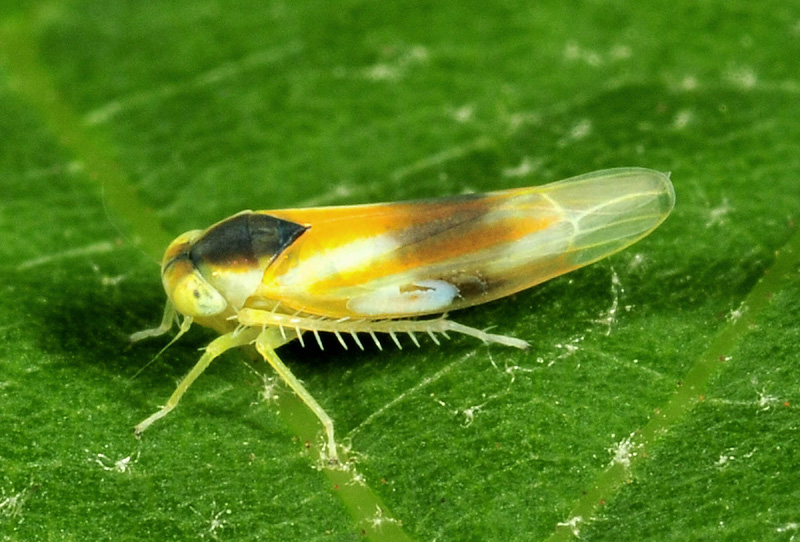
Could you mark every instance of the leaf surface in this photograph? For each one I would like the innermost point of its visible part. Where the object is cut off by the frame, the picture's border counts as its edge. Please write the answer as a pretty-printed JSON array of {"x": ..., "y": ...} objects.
[{"x": 659, "y": 398}]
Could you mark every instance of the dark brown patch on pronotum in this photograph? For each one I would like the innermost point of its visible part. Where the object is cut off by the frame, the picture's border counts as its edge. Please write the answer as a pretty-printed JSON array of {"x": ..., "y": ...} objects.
[{"x": 244, "y": 238}]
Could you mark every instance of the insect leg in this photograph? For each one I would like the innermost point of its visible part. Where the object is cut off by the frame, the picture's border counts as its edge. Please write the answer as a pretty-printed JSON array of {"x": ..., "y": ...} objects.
[
  {"x": 166, "y": 324},
  {"x": 266, "y": 344},
  {"x": 255, "y": 317},
  {"x": 212, "y": 351},
  {"x": 449, "y": 325}
]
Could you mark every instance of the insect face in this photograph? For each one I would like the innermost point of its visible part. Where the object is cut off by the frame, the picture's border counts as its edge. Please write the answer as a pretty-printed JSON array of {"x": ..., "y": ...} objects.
[
  {"x": 187, "y": 288},
  {"x": 210, "y": 274}
]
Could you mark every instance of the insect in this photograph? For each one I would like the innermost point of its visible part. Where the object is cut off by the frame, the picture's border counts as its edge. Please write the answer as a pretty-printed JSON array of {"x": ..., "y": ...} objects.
[{"x": 271, "y": 277}]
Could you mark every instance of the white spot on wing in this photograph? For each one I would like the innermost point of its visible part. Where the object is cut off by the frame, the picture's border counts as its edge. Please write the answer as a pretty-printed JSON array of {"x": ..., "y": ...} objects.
[{"x": 420, "y": 297}]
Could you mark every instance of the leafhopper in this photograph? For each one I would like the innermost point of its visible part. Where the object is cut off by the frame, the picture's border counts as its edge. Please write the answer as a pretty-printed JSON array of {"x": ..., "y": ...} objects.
[{"x": 364, "y": 271}]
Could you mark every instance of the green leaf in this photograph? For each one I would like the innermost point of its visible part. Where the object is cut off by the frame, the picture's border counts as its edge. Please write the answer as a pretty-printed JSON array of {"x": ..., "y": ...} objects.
[{"x": 659, "y": 398}]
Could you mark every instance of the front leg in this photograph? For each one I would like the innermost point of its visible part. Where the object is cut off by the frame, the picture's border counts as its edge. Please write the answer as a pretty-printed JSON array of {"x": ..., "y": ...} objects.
[
  {"x": 214, "y": 349},
  {"x": 166, "y": 324}
]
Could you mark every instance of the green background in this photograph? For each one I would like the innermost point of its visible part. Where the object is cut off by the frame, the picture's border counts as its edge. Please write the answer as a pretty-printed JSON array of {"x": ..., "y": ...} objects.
[{"x": 659, "y": 399}]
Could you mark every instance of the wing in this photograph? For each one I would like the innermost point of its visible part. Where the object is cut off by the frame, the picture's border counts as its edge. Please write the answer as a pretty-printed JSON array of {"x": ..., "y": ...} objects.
[{"x": 431, "y": 256}]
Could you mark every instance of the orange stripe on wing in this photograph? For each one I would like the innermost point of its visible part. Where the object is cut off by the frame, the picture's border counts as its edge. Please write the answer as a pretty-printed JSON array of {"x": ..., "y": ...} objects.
[{"x": 450, "y": 245}]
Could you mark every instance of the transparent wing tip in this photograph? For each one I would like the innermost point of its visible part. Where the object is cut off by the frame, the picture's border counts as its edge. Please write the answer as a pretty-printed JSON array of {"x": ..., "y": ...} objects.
[
  {"x": 654, "y": 182},
  {"x": 613, "y": 208},
  {"x": 620, "y": 191}
]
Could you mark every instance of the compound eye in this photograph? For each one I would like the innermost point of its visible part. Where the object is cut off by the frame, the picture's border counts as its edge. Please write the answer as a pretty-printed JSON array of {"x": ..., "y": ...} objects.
[{"x": 195, "y": 297}]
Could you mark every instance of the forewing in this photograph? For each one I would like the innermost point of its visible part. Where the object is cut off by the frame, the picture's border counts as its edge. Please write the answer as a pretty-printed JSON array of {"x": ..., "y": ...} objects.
[{"x": 431, "y": 256}]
